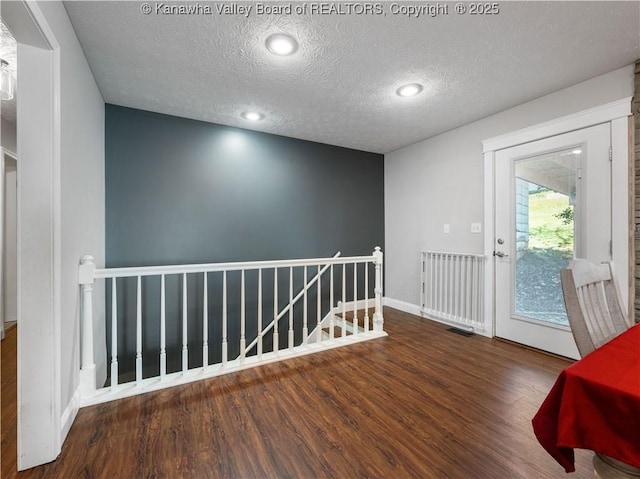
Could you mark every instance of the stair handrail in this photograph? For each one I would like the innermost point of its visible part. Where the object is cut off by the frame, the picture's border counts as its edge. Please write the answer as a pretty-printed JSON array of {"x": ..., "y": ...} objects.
[
  {"x": 88, "y": 273},
  {"x": 289, "y": 306}
]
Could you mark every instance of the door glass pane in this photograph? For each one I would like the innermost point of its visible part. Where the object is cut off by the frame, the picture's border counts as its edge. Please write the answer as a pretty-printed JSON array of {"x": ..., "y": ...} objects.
[{"x": 545, "y": 196}]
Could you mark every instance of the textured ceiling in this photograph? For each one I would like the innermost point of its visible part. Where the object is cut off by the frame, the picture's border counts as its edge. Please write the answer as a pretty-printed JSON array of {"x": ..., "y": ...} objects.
[
  {"x": 340, "y": 86},
  {"x": 9, "y": 53}
]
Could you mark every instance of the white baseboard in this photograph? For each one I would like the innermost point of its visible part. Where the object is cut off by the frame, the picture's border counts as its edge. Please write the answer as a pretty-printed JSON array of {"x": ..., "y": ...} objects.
[
  {"x": 68, "y": 416},
  {"x": 484, "y": 332},
  {"x": 416, "y": 310},
  {"x": 402, "y": 306},
  {"x": 178, "y": 378},
  {"x": 480, "y": 330}
]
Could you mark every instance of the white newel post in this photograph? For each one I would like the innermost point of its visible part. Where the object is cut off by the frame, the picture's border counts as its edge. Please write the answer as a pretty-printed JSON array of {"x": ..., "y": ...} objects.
[
  {"x": 378, "y": 320},
  {"x": 88, "y": 367}
]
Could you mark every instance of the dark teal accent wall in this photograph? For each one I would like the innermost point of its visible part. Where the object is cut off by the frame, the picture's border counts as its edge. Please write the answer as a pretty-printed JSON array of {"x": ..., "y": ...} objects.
[{"x": 185, "y": 191}]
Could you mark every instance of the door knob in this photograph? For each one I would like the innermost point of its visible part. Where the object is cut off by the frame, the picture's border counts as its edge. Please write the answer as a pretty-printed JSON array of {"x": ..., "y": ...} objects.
[{"x": 500, "y": 254}]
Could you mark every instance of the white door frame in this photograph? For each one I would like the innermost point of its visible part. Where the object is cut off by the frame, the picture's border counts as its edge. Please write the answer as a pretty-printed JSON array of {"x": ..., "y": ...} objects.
[
  {"x": 4, "y": 152},
  {"x": 39, "y": 234},
  {"x": 617, "y": 114}
]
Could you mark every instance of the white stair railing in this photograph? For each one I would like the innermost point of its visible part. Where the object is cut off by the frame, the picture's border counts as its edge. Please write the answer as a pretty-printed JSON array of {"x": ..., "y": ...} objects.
[
  {"x": 234, "y": 328},
  {"x": 288, "y": 308}
]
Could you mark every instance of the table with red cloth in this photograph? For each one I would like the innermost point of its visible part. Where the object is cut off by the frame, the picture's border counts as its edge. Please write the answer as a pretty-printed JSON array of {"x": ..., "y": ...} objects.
[{"x": 595, "y": 404}]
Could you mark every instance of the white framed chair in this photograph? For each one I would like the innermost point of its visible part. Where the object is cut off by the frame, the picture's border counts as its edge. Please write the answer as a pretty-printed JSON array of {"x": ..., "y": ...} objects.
[
  {"x": 596, "y": 315},
  {"x": 594, "y": 304}
]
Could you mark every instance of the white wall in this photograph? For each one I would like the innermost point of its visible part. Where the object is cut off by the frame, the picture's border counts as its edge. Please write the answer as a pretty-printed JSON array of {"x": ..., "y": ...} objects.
[
  {"x": 38, "y": 313},
  {"x": 82, "y": 189},
  {"x": 440, "y": 180}
]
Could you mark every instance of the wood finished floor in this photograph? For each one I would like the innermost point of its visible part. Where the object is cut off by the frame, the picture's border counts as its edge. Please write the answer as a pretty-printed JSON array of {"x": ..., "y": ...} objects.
[
  {"x": 8, "y": 403},
  {"x": 422, "y": 403}
]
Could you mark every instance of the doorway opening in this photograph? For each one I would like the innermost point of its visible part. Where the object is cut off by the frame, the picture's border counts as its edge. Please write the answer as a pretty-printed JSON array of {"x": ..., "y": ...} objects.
[
  {"x": 38, "y": 235},
  {"x": 8, "y": 255}
]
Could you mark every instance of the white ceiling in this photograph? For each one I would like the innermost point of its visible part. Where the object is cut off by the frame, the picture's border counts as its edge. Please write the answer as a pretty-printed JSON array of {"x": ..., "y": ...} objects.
[{"x": 340, "y": 86}]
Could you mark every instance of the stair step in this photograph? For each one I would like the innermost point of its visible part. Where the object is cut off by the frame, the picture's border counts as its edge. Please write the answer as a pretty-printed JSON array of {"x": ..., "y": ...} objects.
[
  {"x": 339, "y": 323},
  {"x": 337, "y": 331},
  {"x": 360, "y": 312}
]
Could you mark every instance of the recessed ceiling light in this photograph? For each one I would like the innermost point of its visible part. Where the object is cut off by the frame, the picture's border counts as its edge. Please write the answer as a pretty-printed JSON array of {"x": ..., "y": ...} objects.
[
  {"x": 410, "y": 89},
  {"x": 577, "y": 151},
  {"x": 281, "y": 44},
  {"x": 252, "y": 115}
]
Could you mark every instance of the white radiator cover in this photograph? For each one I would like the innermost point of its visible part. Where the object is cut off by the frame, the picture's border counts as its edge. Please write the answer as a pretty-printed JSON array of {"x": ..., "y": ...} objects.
[{"x": 452, "y": 288}]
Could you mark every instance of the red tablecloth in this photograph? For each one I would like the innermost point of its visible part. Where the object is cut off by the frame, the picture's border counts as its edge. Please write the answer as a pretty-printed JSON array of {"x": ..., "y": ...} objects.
[{"x": 595, "y": 404}]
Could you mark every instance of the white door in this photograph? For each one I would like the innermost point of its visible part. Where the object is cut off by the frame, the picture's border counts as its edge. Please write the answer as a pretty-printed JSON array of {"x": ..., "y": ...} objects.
[{"x": 552, "y": 203}]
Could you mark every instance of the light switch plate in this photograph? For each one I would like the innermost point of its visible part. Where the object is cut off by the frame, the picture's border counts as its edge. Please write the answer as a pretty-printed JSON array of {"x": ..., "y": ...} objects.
[
  {"x": 446, "y": 228},
  {"x": 476, "y": 227}
]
